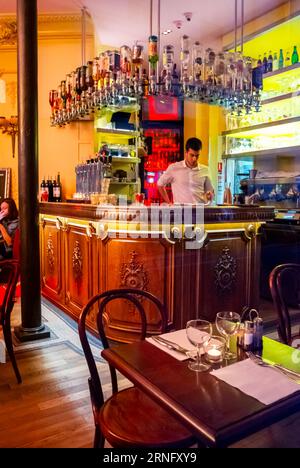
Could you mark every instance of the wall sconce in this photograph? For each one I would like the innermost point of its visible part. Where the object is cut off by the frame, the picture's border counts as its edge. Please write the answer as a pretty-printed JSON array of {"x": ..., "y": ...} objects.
[{"x": 10, "y": 127}]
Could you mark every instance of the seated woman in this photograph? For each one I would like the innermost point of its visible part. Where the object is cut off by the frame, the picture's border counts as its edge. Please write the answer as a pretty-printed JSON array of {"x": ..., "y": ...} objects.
[{"x": 9, "y": 223}]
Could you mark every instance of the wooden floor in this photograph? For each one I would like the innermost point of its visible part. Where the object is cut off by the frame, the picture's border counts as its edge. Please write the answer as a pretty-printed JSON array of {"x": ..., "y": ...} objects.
[{"x": 51, "y": 408}]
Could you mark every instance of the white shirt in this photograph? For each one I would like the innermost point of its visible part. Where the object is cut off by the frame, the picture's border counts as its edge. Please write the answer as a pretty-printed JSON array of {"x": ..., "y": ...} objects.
[{"x": 188, "y": 185}]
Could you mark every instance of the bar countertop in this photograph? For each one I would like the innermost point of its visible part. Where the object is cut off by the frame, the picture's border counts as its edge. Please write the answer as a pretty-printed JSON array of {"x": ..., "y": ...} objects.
[{"x": 212, "y": 214}]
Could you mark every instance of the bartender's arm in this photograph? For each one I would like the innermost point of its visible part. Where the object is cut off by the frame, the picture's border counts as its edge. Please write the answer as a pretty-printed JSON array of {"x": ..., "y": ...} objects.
[
  {"x": 164, "y": 195},
  {"x": 165, "y": 179},
  {"x": 209, "y": 190}
]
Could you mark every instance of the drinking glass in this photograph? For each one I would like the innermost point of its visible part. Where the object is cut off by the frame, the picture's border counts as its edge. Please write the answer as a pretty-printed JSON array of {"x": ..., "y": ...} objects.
[
  {"x": 198, "y": 332},
  {"x": 228, "y": 324}
]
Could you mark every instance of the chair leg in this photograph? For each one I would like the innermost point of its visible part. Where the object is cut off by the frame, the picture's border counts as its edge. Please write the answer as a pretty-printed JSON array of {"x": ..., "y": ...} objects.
[
  {"x": 10, "y": 350},
  {"x": 98, "y": 439}
]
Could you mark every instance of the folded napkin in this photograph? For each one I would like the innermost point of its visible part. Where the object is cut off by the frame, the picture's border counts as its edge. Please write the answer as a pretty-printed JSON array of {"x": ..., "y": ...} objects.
[
  {"x": 263, "y": 383},
  {"x": 179, "y": 337}
]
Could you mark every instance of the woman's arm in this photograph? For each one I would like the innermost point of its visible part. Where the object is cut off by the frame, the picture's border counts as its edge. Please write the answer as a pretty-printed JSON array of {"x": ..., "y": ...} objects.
[{"x": 5, "y": 235}]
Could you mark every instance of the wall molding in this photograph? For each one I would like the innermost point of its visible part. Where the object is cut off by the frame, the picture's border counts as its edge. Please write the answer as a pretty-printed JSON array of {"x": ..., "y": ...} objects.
[{"x": 50, "y": 26}]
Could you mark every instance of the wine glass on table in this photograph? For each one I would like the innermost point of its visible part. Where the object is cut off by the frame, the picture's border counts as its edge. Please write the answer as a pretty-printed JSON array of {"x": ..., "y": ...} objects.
[
  {"x": 228, "y": 324},
  {"x": 198, "y": 332}
]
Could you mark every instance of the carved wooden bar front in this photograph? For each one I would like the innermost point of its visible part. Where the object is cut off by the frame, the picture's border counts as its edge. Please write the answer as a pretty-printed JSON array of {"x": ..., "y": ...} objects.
[{"x": 86, "y": 250}]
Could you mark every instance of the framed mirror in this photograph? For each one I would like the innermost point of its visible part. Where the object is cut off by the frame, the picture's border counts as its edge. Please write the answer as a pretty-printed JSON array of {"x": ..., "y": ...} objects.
[{"x": 4, "y": 183}]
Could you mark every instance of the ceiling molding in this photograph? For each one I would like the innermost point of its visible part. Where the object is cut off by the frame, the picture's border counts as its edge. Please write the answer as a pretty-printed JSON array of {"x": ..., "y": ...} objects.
[
  {"x": 59, "y": 18},
  {"x": 8, "y": 33},
  {"x": 51, "y": 26},
  {"x": 47, "y": 18}
]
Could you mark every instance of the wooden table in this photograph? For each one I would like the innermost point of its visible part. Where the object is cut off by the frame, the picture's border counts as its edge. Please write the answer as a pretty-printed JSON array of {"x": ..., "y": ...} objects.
[{"x": 215, "y": 412}]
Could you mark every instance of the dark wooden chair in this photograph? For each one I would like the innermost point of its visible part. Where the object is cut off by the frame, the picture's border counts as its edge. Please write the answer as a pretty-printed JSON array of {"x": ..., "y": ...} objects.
[
  {"x": 9, "y": 274},
  {"x": 16, "y": 252},
  {"x": 283, "y": 280},
  {"x": 129, "y": 418}
]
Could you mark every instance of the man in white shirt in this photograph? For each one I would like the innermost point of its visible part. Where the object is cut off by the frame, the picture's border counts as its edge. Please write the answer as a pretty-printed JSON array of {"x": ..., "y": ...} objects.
[{"x": 189, "y": 180}]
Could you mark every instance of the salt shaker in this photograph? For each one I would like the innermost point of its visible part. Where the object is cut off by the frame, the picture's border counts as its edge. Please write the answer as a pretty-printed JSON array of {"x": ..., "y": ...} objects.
[{"x": 248, "y": 336}]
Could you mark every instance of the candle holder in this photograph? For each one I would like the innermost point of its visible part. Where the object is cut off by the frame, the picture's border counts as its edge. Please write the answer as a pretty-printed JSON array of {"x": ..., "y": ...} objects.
[
  {"x": 215, "y": 349},
  {"x": 10, "y": 127}
]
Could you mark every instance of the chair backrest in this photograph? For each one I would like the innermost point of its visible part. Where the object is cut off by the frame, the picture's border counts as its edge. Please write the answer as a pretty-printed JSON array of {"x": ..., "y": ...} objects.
[
  {"x": 16, "y": 245},
  {"x": 131, "y": 295},
  {"x": 9, "y": 273},
  {"x": 282, "y": 279}
]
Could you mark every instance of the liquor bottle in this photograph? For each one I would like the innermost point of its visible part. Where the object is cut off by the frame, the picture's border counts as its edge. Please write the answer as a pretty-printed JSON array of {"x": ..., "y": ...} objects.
[
  {"x": 153, "y": 51},
  {"x": 44, "y": 194},
  {"x": 270, "y": 62},
  {"x": 145, "y": 83},
  {"x": 287, "y": 61},
  {"x": 57, "y": 189},
  {"x": 265, "y": 64},
  {"x": 50, "y": 189},
  {"x": 59, "y": 186},
  {"x": 259, "y": 61},
  {"x": 54, "y": 190},
  {"x": 295, "y": 56},
  {"x": 281, "y": 60},
  {"x": 275, "y": 62}
]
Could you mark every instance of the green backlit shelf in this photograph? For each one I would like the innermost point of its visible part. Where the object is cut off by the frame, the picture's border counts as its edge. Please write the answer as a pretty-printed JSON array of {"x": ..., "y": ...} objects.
[
  {"x": 125, "y": 133},
  {"x": 283, "y": 71},
  {"x": 274, "y": 180},
  {"x": 113, "y": 182},
  {"x": 254, "y": 130},
  {"x": 281, "y": 97},
  {"x": 121, "y": 159},
  {"x": 286, "y": 151}
]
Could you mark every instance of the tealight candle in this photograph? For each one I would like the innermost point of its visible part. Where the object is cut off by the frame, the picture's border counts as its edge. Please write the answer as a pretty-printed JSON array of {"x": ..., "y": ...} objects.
[
  {"x": 214, "y": 354},
  {"x": 214, "y": 349}
]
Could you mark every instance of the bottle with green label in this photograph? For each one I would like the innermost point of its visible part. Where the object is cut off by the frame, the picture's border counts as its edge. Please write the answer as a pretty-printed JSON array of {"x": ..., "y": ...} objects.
[
  {"x": 275, "y": 62},
  {"x": 295, "y": 56},
  {"x": 281, "y": 59}
]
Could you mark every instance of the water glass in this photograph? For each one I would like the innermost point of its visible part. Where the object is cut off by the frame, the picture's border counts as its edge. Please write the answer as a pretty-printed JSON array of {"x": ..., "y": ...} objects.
[
  {"x": 228, "y": 324},
  {"x": 198, "y": 332}
]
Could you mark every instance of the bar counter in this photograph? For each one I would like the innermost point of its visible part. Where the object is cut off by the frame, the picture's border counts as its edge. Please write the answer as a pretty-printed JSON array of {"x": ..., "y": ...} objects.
[{"x": 197, "y": 262}]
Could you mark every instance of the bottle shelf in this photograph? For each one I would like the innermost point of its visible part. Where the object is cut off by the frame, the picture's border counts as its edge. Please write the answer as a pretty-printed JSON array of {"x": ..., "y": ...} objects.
[
  {"x": 250, "y": 131},
  {"x": 286, "y": 151},
  {"x": 111, "y": 131},
  {"x": 274, "y": 181},
  {"x": 121, "y": 159},
  {"x": 281, "y": 71},
  {"x": 281, "y": 97},
  {"x": 115, "y": 182}
]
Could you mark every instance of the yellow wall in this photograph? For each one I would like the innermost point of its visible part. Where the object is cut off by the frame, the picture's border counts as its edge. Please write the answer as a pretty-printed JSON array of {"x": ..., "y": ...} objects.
[
  {"x": 59, "y": 52},
  {"x": 263, "y": 22},
  {"x": 205, "y": 122}
]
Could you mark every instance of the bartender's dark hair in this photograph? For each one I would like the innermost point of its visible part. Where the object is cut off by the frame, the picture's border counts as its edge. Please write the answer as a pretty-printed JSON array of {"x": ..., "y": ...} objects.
[
  {"x": 193, "y": 143},
  {"x": 12, "y": 208}
]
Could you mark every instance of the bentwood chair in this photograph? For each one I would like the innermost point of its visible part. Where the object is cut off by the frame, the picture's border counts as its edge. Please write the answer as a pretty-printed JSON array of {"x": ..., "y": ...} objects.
[
  {"x": 9, "y": 274},
  {"x": 285, "y": 284},
  {"x": 129, "y": 418}
]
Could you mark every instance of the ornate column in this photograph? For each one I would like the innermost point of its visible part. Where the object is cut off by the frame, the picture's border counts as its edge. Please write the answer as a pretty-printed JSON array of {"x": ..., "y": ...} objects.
[{"x": 32, "y": 327}]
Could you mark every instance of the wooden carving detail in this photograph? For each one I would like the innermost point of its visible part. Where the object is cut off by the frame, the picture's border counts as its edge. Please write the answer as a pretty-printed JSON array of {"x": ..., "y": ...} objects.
[
  {"x": 77, "y": 262},
  {"x": 225, "y": 272},
  {"x": 8, "y": 33},
  {"x": 133, "y": 274},
  {"x": 50, "y": 254}
]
